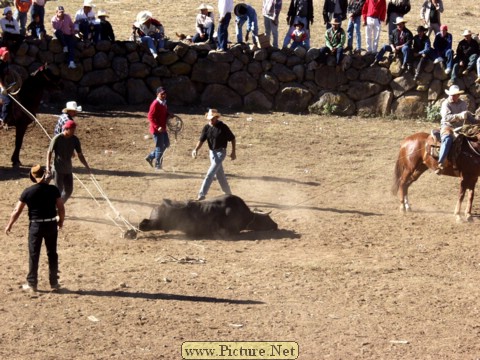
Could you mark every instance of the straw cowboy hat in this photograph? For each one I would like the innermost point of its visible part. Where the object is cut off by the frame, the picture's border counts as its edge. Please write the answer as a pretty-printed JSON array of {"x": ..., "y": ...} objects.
[
  {"x": 102, "y": 13},
  {"x": 211, "y": 114},
  {"x": 37, "y": 173},
  {"x": 466, "y": 33},
  {"x": 399, "y": 20},
  {"x": 335, "y": 21},
  {"x": 454, "y": 90},
  {"x": 88, "y": 3},
  {"x": 204, "y": 6},
  {"x": 72, "y": 105},
  {"x": 143, "y": 16}
]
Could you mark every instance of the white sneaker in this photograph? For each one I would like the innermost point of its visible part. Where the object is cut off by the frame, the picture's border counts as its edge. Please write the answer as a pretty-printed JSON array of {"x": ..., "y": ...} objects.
[
  {"x": 155, "y": 56},
  {"x": 72, "y": 65},
  {"x": 438, "y": 60},
  {"x": 65, "y": 49},
  {"x": 448, "y": 71}
]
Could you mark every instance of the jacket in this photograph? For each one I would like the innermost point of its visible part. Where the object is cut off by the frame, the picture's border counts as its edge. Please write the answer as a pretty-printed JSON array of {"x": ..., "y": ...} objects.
[
  {"x": 374, "y": 8},
  {"x": 329, "y": 7},
  {"x": 426, "y": 10},
  {"x": 355, "y": 7},
  {"x": 401, "y": 7},
  {"x": 292, "y": 12}
]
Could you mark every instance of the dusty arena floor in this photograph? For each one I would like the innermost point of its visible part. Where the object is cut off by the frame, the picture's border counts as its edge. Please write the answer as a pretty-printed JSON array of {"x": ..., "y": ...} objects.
[{"x": 345, "y": 276}]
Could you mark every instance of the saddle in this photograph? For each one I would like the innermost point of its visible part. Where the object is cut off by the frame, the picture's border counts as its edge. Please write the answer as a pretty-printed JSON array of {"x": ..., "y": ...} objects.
[{"x": 468, "y": 133}]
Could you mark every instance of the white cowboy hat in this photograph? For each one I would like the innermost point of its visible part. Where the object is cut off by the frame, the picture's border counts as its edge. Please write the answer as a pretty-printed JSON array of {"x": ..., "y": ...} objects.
[
  {"x": 88, "y": 3},
  {"x": 466, "y": 32},
  {"x": 143, "y": 16},
  {"x": 205, "y": 6},
  {"x": 399, "y": 20},
  {"x": 454, "y": 90},
  {"x": 72, "y": 105},
  {"x": 102, "y": 13},
  {"x": 211, "y": 114}
]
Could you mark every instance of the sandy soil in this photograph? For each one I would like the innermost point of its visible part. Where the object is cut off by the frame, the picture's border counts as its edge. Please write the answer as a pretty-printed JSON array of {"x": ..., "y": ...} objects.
[{"x": 346, "y": 276}]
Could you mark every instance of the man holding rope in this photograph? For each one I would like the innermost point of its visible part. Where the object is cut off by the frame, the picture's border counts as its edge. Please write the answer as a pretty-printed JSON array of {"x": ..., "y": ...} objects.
[
  {"x": 64, "y": 144},
  {"x": 157, "y": 116}
]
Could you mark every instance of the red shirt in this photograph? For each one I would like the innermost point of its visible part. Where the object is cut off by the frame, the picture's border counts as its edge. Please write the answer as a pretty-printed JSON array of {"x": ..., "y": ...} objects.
[
  {"x": 375, "y": 9},
  {"x": 157, "y": 115}
]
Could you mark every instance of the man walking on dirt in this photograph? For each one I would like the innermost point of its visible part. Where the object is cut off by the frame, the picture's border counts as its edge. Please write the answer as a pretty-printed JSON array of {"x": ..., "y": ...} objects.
[
  {"x": 217, "y": 134},
  {"x": 64, "y": 145},
  {"x": 43, "y": 201}
]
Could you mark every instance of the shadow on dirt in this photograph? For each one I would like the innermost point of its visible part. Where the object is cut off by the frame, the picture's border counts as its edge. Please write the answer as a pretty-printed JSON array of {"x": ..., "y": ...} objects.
[
  {"x": 157, "y": 296},
  {"x": 243, "y": 236}
]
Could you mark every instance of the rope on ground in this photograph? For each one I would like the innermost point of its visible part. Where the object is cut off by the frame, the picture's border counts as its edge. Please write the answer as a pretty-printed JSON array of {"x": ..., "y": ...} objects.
[{"x": 92, "y": 177}]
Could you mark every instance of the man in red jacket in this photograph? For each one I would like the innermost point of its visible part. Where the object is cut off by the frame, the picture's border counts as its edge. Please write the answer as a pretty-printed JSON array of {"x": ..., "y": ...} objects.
[
  {"x": 373, "y": 13},
  {"x": 157, "y": 116}
]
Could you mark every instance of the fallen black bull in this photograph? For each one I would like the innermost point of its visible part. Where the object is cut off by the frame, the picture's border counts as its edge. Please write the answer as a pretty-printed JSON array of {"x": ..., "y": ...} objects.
[{"x": 223, "y": 215}]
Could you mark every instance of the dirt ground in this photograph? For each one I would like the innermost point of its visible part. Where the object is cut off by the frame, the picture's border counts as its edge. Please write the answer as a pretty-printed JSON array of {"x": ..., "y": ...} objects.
[{"x": 345, "y": 276}]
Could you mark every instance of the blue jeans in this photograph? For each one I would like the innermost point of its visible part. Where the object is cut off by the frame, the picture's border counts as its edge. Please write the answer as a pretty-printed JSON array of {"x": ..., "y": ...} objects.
[
  {"x": 162, "y": 142},
  {"x": 64, "y": 183},
  {"x": 447, "y": 141},
  {"x": 216, "y": 168},
  {"x": 21, "y": 17},
  {"x": 325, "y": 51},
  {"x": 239, "y": 21},
  {"x": 271, "y": 28},
  {"x": 5, "y": 103},
  {"x": 89, "y": 31},
  {"x": 38, "y": 232},
  {"x": 68, "y": 41},
  {"x": 472, "y": 61},
  {"x": 406, "y": 52},
  {"x": 445, "y": 55},
  {"x": 222, "y": 32},
  {"x": 208, "y": 32},
  {"x": 150, "y": 41},
  {"x": 354, "y": 25}
]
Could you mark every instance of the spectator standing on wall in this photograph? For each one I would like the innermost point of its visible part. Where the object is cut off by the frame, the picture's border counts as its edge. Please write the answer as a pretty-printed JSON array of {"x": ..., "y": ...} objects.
[
  {"x": 245, "y": 13},
  {"x": 271, "y": 12},
  {"x": 64, "y": 31},
  {"x": 225, "y": 9},
  {"x": 396, "y": 8},
  {"x": 299, "y": 11},
  {"x": 430, "y": 14},
  {"x": 373, "y": 13},
  {"x": 21, "y": 14},
  {"x": 354, "y": 15},
  {"x": 334, "y": 9},
  {"x": 38, "y": 7}
]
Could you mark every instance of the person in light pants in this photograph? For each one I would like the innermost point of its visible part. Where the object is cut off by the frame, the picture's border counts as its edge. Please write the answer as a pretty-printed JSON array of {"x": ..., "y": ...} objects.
[{"x": 373, "y": 13}]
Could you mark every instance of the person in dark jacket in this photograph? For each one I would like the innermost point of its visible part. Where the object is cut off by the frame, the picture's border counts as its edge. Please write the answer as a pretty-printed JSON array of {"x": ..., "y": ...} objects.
[
  {"x": 334, "y": 9},
  {"x": 422, "y": 50},
  {"x": 465, "y": 56},
  {"x": 396, "y": 8},
  {"x": 442, "y": 48},
  {"x": 354, "y": 15},
  {"x": 106, "y": 30},
  {"x": 400, "y": 44},
  {"x": 299, "y": 11}
]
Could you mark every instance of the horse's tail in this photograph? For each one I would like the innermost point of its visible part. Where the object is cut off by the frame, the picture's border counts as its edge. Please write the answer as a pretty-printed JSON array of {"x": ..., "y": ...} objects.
[{"x": 398, "y": 171}]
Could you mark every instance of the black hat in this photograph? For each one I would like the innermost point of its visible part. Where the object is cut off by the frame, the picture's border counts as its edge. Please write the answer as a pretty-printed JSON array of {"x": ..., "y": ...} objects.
[
  {"x": 160, "y": 90},
  {"x": 421, "y": 29},
  {"x": 240, "y": 9}
]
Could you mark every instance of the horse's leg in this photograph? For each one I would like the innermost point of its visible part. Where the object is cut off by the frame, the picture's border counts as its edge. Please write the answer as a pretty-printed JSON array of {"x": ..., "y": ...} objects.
[
  {"x": 461, "y": 195},
  {"x": 410, "y": 179},
  {"x": 471, "y": 194},
  {"x": 20, "y": 130}
]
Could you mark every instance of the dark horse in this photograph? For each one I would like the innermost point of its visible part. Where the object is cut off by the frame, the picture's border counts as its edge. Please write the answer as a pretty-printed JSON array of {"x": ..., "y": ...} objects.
[
  {"x": 415, "y": 158},
  {"x": 30, "y": 96}
]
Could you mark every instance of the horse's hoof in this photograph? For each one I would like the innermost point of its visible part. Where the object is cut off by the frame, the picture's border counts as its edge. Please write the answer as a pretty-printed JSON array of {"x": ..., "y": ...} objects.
[
  {"x": 16, "y": 164},
  {"x": 468, "y": 218},
  {"x": 459, "y": 219}
]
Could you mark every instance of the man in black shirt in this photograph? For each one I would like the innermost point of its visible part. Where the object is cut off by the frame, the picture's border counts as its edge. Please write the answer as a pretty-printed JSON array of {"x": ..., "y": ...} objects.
[
  {"x": 43, "y": 201},
  {"x": 217, "y": 135}
]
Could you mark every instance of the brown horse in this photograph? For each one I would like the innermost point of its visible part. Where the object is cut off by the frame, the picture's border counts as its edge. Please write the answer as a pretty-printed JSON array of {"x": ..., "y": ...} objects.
[
  {"x": 414, "y": 159},
  {"x": 30, "y": 96}
]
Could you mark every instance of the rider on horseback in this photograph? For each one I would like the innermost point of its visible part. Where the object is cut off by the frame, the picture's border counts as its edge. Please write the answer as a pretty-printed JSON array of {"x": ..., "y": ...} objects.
[
  {"x": 454, "y": 113},
  {"x": 4, "y": 57}
]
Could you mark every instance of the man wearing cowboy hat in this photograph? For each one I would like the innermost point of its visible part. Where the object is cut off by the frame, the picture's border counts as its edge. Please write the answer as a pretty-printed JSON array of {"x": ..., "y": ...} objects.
[
  {"x": 150, "y": 31},
  {"x": 454, "y": 113},
  {"x": 85, "y": 24},
  {"x": 400, "y": 44},
  {"x": 246, "y": 13},
  {"x": 44, "y": 204},
  {"x": 335, "y": 41},
  {"x": 465, "y": 56},
  {"x": 105, "y": 28},
  {"x": 68, "y": 113},
  {"x": 204, "y": 24},
  {"x": 217, "y": 134},
  {"x": 422, "y": 50},
  {"x": 64, "y": 145}
]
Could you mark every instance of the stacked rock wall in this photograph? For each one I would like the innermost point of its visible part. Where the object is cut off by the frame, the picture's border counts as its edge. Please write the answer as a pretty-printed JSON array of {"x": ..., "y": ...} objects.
[{"x": 123, "y": 73}]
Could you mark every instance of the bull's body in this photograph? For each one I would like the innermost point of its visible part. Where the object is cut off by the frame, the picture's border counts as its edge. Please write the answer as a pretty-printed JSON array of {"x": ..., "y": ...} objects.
[{"x": 223, "y": 215}]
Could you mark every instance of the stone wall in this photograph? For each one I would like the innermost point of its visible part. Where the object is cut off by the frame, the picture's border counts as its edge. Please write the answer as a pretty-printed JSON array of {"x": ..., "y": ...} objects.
[{"x": 262, "y": 80}]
